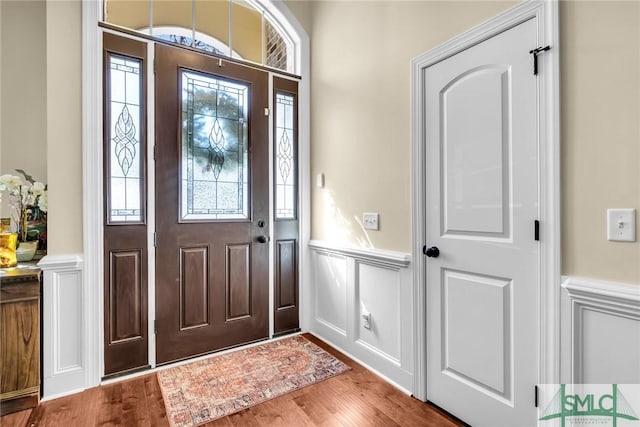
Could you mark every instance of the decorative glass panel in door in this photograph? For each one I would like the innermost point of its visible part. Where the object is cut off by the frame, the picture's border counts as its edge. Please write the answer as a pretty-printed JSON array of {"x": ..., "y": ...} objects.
[
  {"x": 125, "y": 156},
  {"x": 214, "y": 168},
  {"x": 285, "y": 156}
]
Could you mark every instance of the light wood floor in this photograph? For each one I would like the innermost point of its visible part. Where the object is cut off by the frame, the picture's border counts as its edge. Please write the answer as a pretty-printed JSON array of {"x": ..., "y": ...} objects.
[{"x": 355, "y": 398}]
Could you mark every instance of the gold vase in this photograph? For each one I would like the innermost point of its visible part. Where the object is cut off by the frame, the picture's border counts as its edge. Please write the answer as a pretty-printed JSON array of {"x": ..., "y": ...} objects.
[{"x": 8, "y": 242}]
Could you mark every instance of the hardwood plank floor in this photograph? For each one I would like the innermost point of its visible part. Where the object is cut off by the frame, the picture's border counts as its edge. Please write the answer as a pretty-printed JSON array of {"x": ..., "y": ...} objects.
[{"x": 355, "y": 398}]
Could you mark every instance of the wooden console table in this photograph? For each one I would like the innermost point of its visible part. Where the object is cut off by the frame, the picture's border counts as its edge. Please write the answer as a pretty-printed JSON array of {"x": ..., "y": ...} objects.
[{"x": 20, "y": 338}]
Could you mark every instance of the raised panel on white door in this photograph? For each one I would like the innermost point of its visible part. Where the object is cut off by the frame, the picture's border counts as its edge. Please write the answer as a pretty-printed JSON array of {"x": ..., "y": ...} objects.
[
  {"x": 475, "y": 183},
  {"x": 476, "y": 331},
  {"x": 378, "y": 292},
  {"x": 331, "y": 292}
]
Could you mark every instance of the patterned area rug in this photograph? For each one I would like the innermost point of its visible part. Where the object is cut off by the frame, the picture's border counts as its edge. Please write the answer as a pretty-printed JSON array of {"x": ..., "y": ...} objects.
[{"x": 212, "y": 388}]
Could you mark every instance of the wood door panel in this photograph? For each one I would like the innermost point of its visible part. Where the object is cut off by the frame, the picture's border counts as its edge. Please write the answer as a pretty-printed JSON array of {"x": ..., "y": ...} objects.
[
  {"x": 238, "y": 283},
  {"x": 125, "y": 289},
  {"x": 286, "y": 274},
  {"x": 125, "y": 299},
  {"x": 194, "y": 287},
  {"x": 229, "y": 285}
]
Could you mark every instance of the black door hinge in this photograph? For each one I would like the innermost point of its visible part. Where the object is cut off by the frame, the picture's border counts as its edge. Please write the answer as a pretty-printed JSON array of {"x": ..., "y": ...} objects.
[
  {"x": 535, "y": 398},
  {"x": 535, "y": 52},
  {"x": 536, "y": 230},
  {"x": 155, "y": 327}
]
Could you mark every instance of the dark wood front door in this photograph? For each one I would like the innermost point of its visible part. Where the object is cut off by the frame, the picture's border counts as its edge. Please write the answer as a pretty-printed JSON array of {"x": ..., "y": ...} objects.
[{"x": 212, "y": 204}]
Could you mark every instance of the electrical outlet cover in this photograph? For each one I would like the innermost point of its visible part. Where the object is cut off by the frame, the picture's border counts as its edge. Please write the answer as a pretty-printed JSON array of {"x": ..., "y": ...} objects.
[{"x": 370, "y": 220}]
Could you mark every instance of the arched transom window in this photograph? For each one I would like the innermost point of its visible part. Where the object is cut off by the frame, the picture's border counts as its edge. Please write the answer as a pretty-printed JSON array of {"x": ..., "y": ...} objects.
[{"x": 240, "y": 29}]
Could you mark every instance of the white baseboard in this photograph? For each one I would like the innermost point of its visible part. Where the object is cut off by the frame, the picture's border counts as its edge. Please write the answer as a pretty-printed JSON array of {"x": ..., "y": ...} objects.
[{"x": 364, "y": 364}]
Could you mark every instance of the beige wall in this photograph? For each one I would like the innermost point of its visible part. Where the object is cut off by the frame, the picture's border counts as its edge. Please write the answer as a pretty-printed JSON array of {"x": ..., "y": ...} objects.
[
  {"x": 302, "y": 11},
  {"x": 361, "y": 125},
  {"x": 41, "y": 108},
  {"x": 360, "y": 120},
  {"x": 23, "y": 117},
  {"x": 600, "y": 135},
  {"x": 64, "y": 126}
]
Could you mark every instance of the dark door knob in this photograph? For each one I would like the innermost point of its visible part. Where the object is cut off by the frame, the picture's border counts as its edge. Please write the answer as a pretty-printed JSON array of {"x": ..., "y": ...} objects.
[
  {"x": 263, "y": 239},
  {"x": 431, "y": 252}
]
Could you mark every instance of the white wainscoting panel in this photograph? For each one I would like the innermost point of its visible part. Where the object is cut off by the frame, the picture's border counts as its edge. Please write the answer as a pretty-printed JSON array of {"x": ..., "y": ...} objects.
[
  {"x": 62, "y": 326},
  {"x": 378, "y": 292},
  {"x": 601, "y": 333},
  {"x": 348, "y": 283},
  {"x": 331, "y": 299}
]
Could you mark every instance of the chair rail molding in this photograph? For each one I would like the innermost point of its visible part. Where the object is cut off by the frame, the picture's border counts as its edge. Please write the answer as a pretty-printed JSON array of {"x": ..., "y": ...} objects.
[
  {"x": 601, "y": 332},
  {"x": 386, "y": 258},
  {"x": 361, "y": 303},
  {"x": 64, "y": 330},
  {"x": 603, "y": 292}
]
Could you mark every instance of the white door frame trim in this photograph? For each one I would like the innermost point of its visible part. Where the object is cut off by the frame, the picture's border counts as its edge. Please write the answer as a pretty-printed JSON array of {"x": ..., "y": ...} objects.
[
  {"x": 546, "y": 12},
  {"x": 92, "y": 188}
]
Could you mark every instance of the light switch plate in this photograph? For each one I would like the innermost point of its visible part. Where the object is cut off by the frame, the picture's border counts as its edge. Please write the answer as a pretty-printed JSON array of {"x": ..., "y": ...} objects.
[
  {"x": 621, "y": 225},
  {"x": 370, "y": 221}
]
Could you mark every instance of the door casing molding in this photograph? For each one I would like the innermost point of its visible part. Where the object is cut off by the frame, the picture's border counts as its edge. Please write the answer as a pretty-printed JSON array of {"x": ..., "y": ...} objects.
[
  {"x": 92, "y": 216},
  {"x": 546, "y": 13}
]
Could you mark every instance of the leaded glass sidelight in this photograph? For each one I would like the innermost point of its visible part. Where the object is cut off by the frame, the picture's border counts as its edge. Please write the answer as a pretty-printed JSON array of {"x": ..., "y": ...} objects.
[
  {"x": 285, "y": 157},
  {"x": 125, "y": 158},
  {"x": 214, "y": 168}
]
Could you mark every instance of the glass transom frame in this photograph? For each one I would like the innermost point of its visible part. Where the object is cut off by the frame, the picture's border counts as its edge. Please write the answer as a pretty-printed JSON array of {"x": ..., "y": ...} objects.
[{"x": 214, "y": 172}]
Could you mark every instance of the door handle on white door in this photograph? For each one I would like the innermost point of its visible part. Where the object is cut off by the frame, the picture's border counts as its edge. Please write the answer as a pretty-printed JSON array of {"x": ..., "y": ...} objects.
[{"x": 431, "y": 252}]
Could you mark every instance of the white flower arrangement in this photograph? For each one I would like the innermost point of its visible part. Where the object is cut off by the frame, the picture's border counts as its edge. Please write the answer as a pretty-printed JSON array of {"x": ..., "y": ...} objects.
[{"x": 28, "y": 198}]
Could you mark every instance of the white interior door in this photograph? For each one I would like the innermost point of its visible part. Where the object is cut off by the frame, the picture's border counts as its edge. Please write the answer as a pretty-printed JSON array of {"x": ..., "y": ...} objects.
[{"x": 481, "y": 205}]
